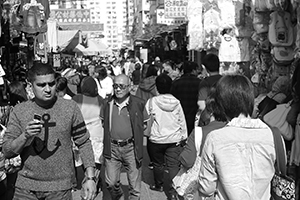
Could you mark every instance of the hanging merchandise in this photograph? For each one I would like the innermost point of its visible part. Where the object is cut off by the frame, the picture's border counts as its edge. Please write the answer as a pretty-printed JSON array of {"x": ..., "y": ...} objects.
[
  {"x": 211, "y": 24},
  {"x": 195, "y": 25},
  {"x": 260, "y": 5},
  {"x": 278, "y": 70},
  {"x": 283, "y": 55},
  {"x": 15, "y": 21},
  {"x": 227, "y": 13},
  {"x": 244, "y": 47},
  {"x": 34, "y": 14},
  {"x": 262, "y": 42},
  {"x": 41, "y": 47},
  {"x": 261, "y": 22},
  {"x": 243, "y": 21},
  {"x": 271, "y": 4},
  {"x": 281, "y": 31},
  {"x": 298, "y": 29},
  {"x": 229, "y": 49},
  {"x": 240, "y": 12},
  {"x": 281, "y": 4}
]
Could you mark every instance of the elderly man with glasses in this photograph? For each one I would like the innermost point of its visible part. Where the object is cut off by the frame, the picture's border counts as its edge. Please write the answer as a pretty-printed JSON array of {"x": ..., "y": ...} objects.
[{"x": 124, "y": 116}]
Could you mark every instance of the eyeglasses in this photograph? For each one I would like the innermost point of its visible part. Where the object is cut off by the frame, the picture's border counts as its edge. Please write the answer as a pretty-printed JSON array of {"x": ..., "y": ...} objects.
[{"x": 121, "y": 86}]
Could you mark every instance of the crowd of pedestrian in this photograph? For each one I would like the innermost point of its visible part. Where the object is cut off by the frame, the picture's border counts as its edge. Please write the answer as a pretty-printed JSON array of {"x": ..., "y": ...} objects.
[{"x": 93, "y": 115}]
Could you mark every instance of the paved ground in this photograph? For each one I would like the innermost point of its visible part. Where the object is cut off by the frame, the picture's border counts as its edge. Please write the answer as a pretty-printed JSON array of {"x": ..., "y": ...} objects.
[{"x": 147, "y": 179}]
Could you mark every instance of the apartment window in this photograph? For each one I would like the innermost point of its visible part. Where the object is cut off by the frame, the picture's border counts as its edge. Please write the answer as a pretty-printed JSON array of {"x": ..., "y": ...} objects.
[
  {"x": 92, "y": 3},
  {"x": 114, "y": 41},
  {"x": 108, "y": 22},
  {"x": 109, "y": 41},
  {"x": 113, "y": 2}
]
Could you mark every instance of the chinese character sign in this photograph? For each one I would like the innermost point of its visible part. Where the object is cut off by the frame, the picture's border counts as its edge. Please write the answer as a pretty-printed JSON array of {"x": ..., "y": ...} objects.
[
  {"x": 71, "y": 15},
  {"x": 175, "y": 8}
]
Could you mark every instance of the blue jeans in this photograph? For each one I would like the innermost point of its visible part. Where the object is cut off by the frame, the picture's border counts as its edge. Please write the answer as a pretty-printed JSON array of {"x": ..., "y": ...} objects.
[
  {"x": 161, "y": 154},
  {"x": 123, "y": 156},
  {"x": 23, "y": 194}
]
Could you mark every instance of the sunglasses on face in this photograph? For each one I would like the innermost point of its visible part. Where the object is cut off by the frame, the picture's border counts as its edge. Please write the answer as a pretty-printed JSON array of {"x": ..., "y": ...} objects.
[{"x": 121, "y": 86}]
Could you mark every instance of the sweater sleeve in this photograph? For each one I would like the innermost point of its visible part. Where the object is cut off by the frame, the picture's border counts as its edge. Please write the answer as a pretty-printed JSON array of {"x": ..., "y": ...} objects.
[
  {"x": 81, "y": 138},
  {"x": 13, "y": 131}
]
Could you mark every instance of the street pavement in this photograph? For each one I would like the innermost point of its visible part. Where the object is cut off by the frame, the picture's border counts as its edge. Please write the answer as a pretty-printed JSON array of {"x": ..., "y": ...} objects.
[{"x": 147, "y": 180}]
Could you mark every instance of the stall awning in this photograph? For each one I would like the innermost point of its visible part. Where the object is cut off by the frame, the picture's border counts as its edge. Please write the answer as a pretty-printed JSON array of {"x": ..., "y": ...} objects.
[
  {"x": 67, "y": 40},
  {"x": 94, "y": 48}
]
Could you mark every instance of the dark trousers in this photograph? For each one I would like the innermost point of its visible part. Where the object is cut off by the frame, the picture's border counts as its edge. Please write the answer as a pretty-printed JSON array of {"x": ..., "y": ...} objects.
[{"x": 161, "y": 154}]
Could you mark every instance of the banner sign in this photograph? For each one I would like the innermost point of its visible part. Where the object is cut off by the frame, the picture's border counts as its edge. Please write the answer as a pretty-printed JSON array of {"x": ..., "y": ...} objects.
[
  {"x": 71, "y": 15},
  {"x": 175, "y": 8}
]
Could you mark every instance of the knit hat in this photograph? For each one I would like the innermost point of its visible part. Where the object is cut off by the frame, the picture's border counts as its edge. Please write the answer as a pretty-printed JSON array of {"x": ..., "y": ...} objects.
[{"x": 89, "y": 87}]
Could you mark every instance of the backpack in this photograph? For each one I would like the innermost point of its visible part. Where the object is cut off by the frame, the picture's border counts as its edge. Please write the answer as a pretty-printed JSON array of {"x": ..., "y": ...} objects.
[
  {"x": 261, "y": 22},
  {"x": 283, "y": 55},
  {"x": 277, "y": 70},
  {"x": 260, "y": 5},
  {"x": 281, "y": 4},
  {"x": 281, "y": 31}
]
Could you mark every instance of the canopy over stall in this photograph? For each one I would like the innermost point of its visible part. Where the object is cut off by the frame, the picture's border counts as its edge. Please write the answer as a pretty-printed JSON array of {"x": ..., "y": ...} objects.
[
  {"x": 94, "y": 48},
  {"x": 68, "y": 40}
]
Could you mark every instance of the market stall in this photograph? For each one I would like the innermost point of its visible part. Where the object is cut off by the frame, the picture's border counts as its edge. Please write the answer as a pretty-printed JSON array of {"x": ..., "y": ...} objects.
[
  {"x": 256, "y": 37},
  {"x": 93, "y": 48}
]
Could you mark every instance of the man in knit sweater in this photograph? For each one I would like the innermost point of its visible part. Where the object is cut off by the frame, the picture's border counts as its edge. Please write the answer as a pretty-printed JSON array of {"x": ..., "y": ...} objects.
[{"x": 44, "y": 143}]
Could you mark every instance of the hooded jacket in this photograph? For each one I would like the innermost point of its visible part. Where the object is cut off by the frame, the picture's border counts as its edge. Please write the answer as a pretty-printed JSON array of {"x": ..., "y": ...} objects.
[
  {"x": 147, "y": 88},
  {"x": 169, "y": 124}
]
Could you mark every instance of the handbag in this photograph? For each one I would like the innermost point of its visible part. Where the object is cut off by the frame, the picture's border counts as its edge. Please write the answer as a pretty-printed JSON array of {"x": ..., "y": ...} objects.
[
  {"x": 266, "y": 105},
  {"x": 277, "y": 118},
  {"x": 282, "y": 186},
  {"x": 186, "y": 181},
  {"x": 147, "y": 131}
]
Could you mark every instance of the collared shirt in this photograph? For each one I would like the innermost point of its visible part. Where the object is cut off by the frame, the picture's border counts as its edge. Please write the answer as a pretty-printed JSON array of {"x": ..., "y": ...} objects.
[
  {"x": 121, "y": 126},
  {"x": 238, "y": 161}
]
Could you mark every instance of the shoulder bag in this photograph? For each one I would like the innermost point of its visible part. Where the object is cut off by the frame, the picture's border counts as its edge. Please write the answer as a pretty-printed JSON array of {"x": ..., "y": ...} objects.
[
  {"x": 186, "y": 181},
  {"x": 282, "y": 186},
  {"x": 147, "y": 131},
  {"x": 277, "y": 118}
]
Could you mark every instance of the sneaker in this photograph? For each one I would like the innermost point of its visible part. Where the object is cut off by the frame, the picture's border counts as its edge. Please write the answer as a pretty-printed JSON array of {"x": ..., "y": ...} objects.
[
  {"x": 150, "y": 166},
  {"x": 156, "y": 188}
]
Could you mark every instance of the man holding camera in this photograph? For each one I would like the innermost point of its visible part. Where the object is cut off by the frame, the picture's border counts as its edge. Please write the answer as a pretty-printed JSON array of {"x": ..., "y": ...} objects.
[{"x": 41, "y": 132}]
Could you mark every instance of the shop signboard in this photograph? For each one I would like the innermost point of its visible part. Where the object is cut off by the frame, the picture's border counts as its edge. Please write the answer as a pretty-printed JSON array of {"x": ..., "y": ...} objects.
[
  {"x": 71, "y": 15},
  {"x": 175, "y": 8},
  {"x": 161, "y": 19}
]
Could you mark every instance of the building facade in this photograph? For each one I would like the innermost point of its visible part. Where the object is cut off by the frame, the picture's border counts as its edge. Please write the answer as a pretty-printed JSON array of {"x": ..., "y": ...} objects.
[{"x": 115, "y": 16}]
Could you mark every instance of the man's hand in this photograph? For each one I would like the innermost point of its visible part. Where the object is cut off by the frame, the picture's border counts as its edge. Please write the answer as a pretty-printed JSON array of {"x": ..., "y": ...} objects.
[
  {"x": 33, "y": 128},
  {"x": 88, "y": 190}
]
